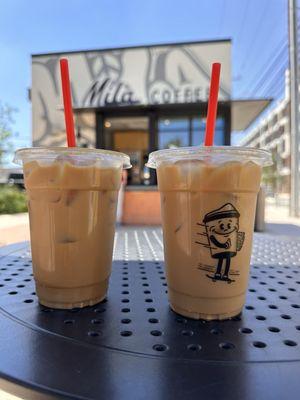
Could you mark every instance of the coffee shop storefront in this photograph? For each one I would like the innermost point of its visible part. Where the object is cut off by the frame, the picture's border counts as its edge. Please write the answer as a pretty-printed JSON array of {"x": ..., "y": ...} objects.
[{"x": 137, "y": 100}]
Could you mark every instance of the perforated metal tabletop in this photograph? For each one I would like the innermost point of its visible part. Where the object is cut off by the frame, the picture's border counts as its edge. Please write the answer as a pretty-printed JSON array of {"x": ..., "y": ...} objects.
[{"x": 132, "y": 346}]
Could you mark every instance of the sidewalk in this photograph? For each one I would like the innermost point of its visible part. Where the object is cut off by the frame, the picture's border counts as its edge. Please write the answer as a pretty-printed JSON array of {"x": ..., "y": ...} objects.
[
  {"x": 278, "y": 221},
  {"x": 13, "y": 228}
]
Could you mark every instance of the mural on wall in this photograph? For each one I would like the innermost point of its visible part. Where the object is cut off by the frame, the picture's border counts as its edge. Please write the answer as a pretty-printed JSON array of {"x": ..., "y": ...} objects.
[{"x": 133, "y": 76}]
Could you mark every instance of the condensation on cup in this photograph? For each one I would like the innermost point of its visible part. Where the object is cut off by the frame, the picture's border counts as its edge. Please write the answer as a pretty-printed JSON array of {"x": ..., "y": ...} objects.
[
  {"x": 72, "y": 201},
  {"x": 208, "y": 202}
]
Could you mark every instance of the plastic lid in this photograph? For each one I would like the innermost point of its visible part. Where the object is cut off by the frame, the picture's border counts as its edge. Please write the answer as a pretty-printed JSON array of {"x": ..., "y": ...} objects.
[
  {"x": 211, "y": 154},
  {"x": 51, "y": 153}
]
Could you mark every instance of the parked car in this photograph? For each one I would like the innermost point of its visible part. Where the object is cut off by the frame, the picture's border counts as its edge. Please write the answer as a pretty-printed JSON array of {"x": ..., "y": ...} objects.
[{"x": 12, "y": 176}]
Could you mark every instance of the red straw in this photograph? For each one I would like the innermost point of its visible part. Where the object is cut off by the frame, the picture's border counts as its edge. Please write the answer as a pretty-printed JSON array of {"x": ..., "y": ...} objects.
[
  {"x": 212, "y": 104},
  {"x": 66, "y": 89}
]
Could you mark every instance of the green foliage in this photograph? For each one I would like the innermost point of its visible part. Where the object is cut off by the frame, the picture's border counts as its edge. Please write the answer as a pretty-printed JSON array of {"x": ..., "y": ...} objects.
[
  {"x": 270, "y": 176},
  {"x": 173, "y": 143},
  {"x": 12, "y": 200},
  {"x": 6, "y": 132}
]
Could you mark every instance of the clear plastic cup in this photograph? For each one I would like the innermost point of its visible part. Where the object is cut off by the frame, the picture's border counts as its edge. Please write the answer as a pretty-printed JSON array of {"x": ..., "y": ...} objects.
[
  {"x": 208, "y": 202},
  {"x": 72, "y": 199}
]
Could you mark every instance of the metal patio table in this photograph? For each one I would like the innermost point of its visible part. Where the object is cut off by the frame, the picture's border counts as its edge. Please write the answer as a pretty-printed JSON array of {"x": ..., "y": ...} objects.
[{"x": 132, "y": 346}]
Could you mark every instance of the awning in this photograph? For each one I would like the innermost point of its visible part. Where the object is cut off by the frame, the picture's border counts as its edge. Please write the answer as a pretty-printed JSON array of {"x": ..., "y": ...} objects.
[{"x": 244, "y": 112}]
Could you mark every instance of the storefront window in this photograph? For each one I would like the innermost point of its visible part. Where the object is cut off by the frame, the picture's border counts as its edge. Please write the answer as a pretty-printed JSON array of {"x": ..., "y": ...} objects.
[
  {"x": 177, "y": 132},
  {"x": 198, "y": 131},
  {"x": 173, "y": 133},
  {"x": 130, "y": 135}
]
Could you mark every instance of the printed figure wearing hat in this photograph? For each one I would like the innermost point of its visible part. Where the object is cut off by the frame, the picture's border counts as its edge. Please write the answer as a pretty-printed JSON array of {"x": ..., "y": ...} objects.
[{"x": 225, "y": 240}]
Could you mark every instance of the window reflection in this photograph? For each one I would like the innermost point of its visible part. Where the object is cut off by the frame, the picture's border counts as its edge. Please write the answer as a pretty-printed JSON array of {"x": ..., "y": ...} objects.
[
  {"x": 176, "y": 132},
  {"x": 198, "y": 131},
  {"x": 167, "y": 124},
  {"x": 173, "y": 133}
]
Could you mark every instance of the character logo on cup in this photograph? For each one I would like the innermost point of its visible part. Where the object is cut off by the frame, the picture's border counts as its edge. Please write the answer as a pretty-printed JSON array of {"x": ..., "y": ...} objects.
[{"x": 223, "y": 240}]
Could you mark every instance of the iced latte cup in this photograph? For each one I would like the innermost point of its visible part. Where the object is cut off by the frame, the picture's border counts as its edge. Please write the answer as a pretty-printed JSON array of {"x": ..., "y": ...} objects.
[
  {"x": 72, "y": 198},
  {"x": 208, "y": 202}
]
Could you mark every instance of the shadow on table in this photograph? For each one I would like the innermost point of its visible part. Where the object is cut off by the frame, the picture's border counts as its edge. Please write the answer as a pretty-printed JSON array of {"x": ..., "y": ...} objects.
[{"x": 283, "y": 229}]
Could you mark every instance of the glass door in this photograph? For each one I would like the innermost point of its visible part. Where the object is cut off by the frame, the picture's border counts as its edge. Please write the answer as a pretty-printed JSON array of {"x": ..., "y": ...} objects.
[
  {"x": 187, "y": 131},
  {"x": 130, "y": 135}
]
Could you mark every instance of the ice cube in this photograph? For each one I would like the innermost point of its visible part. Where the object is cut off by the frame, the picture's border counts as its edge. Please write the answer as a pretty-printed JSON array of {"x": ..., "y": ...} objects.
[
  {"x": 65, "y": 158},
  {"x": 80, "y": 160},
  {"x": 70, "y": 196},
  {"x": 67, "y": 240},
  {"x": 226, "y": 176},
  {"x": 29, "y": 167},
  {"x": 250, "y": 176},
  {"x": 85, "y": 161},
  {"x": 193, "y": 173},
  {"x": 168, "y": 177}
]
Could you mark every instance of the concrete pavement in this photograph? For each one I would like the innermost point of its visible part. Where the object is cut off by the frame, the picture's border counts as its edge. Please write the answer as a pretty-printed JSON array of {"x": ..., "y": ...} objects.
[
  {"x": 15, "y": 228},
  {"x": 278, "y": 221}
]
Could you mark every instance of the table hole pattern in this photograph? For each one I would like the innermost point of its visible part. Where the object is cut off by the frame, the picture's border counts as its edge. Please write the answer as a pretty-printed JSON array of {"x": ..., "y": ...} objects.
[{"x": 136, "y": 316}]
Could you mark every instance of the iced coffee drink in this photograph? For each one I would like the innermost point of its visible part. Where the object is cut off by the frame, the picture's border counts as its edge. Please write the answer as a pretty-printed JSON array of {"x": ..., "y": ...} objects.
[
  {"x": 72, "y": 199},
  {"x": 208, "y": 202}
]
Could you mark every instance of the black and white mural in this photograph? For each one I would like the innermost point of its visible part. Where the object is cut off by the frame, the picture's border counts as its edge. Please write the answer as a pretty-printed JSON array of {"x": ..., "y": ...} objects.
[{"x": 132, "y": 76}]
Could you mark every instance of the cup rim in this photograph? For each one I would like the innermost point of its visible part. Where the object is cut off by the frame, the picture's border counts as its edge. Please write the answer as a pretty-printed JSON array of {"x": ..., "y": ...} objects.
[
  {"x": 33, "y": 153},
  {"x": 214, "y": 154}
]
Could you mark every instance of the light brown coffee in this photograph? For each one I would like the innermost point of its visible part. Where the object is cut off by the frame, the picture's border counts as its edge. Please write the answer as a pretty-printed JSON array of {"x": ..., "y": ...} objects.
[
  {"x": 208, "y": 216},
  {"x": 72, "y": 223}
]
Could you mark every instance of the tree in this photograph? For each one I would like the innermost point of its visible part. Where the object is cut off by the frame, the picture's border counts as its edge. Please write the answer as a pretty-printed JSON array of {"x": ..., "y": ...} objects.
[
  {"x": 6, "y": 131},
  {"x": 271, "y": 177},
  {"x": 176, "y": 142}
]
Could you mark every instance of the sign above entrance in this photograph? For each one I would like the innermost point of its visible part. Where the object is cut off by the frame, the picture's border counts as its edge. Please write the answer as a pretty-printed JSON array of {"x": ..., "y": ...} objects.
[
  {"x": 154, "y": 75},
  {"x": 163, "y": 74}
]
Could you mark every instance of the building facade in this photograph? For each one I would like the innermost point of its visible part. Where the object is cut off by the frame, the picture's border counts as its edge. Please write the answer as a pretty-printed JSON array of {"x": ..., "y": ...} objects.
[
  {"x": 273, "y": 133},
  {"x": 134, "y": 100},
  {"x": 137, "y": 100}
]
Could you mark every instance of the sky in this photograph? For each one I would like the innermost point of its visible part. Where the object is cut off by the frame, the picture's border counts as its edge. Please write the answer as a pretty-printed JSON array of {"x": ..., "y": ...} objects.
[{"x": 258, "y": 29}]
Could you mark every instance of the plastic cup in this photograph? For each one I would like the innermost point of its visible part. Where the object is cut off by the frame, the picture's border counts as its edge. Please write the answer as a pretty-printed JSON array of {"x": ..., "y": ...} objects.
[
  {"x": 72, "y": 199},
  {"x": 208, "y": 202}
]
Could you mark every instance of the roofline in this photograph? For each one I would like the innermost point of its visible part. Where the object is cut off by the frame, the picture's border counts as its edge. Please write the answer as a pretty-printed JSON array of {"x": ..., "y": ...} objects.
[
  {"x": 149, "y": 107},
  {"x": 270, "y": 99},
  {"x": 259, "y": 115},
  {"x": 134, "y": 47},
  {"x": 264, "y": 120}
]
